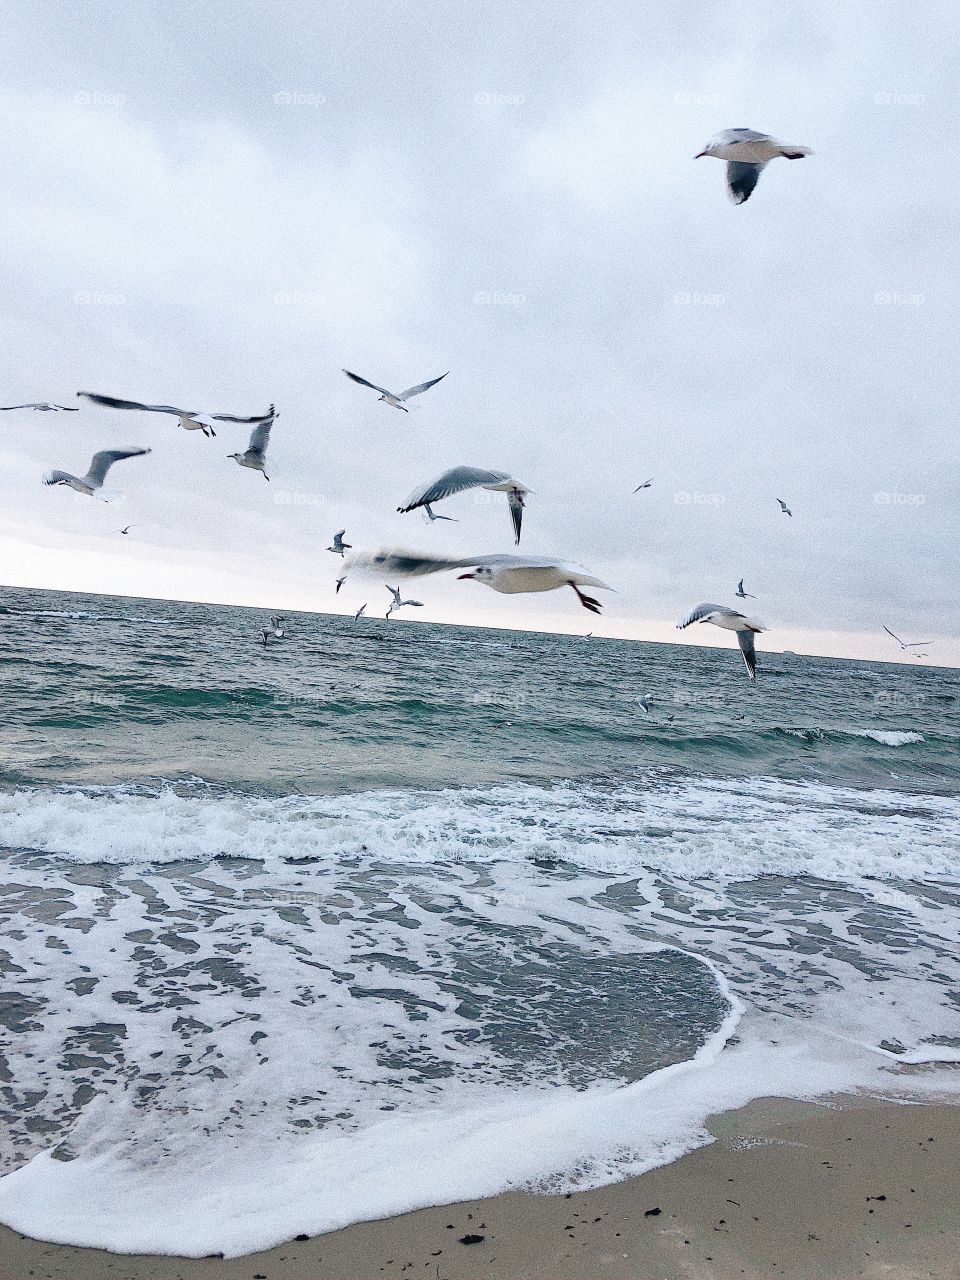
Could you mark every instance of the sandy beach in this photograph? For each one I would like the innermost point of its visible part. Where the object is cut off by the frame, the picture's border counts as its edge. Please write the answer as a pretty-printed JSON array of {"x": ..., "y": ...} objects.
[{"x": 849, "y": 1188}]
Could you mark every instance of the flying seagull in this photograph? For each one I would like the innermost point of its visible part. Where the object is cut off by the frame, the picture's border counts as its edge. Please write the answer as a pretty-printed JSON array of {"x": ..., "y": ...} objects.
[
  {"x": 340, "y": 582},
  {"x": 730, "y": 620},
  {"x": 397, "y": 603},
  {"x": 645, "y": 702},
  {"x": 99, "y": 466},
  {"x": 360, "y": 612},
  {"x": 42, "y": 406},
  {"x": 339, "y": 547},
  {"x": 784, "y": 508},
  {"x": 744, "y": 595},
  {"x": 746, "y": 153},
  {"x": 275, "y": 630},
  {"x": 907, "y": 644},
  {"x": 256, "y": 452},
  {"x": 431, "y": 515},
  {"x": 646, "y": 485},
  {"x": 126, "y": 529},
  {"x": 397, "y": 400},
  {"x": 508, "y": 574},
  {"x": 459, "y": 478},
  {"x": 190, "y": 419}
]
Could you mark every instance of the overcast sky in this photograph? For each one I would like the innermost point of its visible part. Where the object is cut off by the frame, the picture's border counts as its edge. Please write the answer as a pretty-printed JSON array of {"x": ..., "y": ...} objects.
[{"x": 222, "y": 206}]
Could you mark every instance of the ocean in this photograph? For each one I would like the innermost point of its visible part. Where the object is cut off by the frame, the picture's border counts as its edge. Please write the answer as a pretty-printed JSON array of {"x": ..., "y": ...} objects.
[{"x": 390, "y": 914}]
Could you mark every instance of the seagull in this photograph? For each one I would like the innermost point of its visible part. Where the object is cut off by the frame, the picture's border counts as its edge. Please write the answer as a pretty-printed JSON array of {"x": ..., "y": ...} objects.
[
  {"x": 396, "y": 400},
  {"x": 730, "y": 620},
  {"x": 360, "y": 612},
  {"x": 431, "y": 515},
  {"x": 507, "y": 574},
  {"x": 907, "y": 644},
  {"x": 339, "y": 547},
  {"x": 645, "y": 702},
  {"x": 126, "y": 529},
  {"x": 99, "y": 466},
  {"x": 646, "y": 485},
  {"x": 340, "y": 582},
  {"x": 397, "y": 603},
  {"x": 42, "y": 406},
  {"x": 273, "y": 632},
  {"x": 784, "y": 508},
  {"x": 256, "y": 452},
  {"x": 746, "y": 153},
  {"x": 744, "y": 595},
  {"x": 190, "y": 419},
  {"x": 459, "y": 478}
]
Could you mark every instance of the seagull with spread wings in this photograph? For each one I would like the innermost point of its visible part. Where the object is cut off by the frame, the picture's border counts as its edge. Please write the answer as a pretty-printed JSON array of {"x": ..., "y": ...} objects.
[
  {"x": 907, "y": 644},
  {"x": 457, "y": 479},
  {"x": 339, "y": 547},
  {"x": 397, "y": 603},
  {"x": 92, "y": 483},
  {"x": 720, "y": 616},
  {"x": 397, "y": 400},
  {"x": 190, "y": 419},
  {"x": 255, "y": 456},
  {"x": 747, "y": 153},
  {"x": 41, "y": 406}
]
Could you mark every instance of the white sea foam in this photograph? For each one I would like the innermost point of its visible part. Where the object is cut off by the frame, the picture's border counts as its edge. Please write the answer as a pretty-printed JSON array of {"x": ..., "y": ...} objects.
[{"x": 889, "y": 737}]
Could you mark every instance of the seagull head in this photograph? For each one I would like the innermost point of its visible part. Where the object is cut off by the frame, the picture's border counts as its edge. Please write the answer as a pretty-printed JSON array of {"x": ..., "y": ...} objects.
[{"x": 482, "y": 573}]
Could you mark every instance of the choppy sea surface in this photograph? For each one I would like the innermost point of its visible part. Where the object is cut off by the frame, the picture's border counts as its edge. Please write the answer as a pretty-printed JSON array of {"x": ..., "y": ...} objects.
[{"x": 390, "y": 914}]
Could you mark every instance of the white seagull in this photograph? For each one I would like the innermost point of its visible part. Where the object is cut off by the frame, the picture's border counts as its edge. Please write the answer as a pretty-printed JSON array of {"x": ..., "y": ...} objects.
[
  {"x": 397, "y": 603},
  {"x": 431, "y": 515},
  {"x": 459, "y": 478},
  {"x": 744, "y": 595},
  {"x": 339, "y": 547},
  {"x": 126, "y": 529},
  {"x": 92, "y": 482},
  {"x": 360, "y": 612},
  {"x": 274, "y": 631},
  {"x": 190, "y": 419},
  {"x": 397, "y": 400},
  {"x": 340, "y": 582},
  {"x": 908, "y": 644},
  {"x": 730, "y": 620},
  {"x": 747, "y": 153},
  {"x": 41, "y": 406},
  {"x": 784, "y": 508},
  {"x": 646, "y": 485},
  {"x": 508, "y": 574},
  {"x": 256, "y": 453}
]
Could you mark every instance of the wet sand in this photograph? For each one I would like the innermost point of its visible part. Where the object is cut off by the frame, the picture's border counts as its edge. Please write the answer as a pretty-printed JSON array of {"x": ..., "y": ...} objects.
[{"x": 796, "y": 1190}]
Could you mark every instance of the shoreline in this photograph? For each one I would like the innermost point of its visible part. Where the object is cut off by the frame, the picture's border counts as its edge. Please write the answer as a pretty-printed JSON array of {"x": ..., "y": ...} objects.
[{"x": 852, "y": 1186}]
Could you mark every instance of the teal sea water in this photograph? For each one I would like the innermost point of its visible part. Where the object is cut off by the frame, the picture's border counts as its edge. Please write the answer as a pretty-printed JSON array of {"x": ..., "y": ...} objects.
[{"x": 390, "y": 913}]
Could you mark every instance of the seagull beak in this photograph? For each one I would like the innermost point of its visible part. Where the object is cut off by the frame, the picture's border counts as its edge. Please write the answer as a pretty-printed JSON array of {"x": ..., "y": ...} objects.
[
  {"x": 461, "y": 576},
  {"x": 700, "y": 155}
]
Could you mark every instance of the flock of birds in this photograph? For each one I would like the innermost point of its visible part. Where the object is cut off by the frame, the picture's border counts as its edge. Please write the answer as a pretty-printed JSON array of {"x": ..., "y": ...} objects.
[{"x": 746, "y": 153}]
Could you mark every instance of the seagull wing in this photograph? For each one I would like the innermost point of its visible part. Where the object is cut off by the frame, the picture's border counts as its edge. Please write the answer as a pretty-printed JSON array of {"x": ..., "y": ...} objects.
[
  {"x": 515, "y": 498},
  {"x": 420, "y": 387},
  {"x": 111, "y": 402},
  {"x": 67, "y": 408},
  {"x": 5, "y": 407},
  {"x": 890, "y": 633},
  {"x": 57, "y": 477},
  {"x": 372, "y": 385},
  {"x": 741, "y": 179},
  {"x": 395, "y": 592},
  {"x": 260, "y": 438},
  {"x": 227, "y": 417},
  {"x": 453, "y": 481},
  {"x": 745, "y": 640},
  {"x": 704, "y": 611},
  {"x": 104, "y": 460}
]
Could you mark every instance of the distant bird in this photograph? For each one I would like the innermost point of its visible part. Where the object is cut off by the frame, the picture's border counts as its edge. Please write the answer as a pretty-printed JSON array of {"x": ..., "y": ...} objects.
[
  {"x": 126, "y": 529},
  {"x": 396, "y": 400},
  {"x": 274, "y": 632},
  {"x": 190, "y": 419},
  {"x": 459, "y": 478},
  {"x": 730, "y": 620},
  {"x": 397, "y": 603},
  {"x": 508, "y": 574},
  {"x": 784, "y": 508},
  {"x": 340, "y": 582},
  {"x": 907, "y": 644},
  {"x": 747, "y": 153},
  {"x": 744, "y": 595},
  {"x": 256, "y": 453},
  {"x": 645, "y": 702},
  {"x": 360, "y": 612},
  {"x": 41, "y": 406},
  {"x": 92, "y": 482},
  {"x": 339, "y": 547},
  {"x": 431, "y": 515},
  {"x": 646, "y": 485}
]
